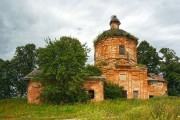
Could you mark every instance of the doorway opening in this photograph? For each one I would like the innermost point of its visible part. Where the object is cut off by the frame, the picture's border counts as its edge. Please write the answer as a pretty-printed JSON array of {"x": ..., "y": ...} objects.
[
  {"x": 91, "y": 94},
  {"x": 124, "y": 93},
  {"x": 151, "y": 96}
]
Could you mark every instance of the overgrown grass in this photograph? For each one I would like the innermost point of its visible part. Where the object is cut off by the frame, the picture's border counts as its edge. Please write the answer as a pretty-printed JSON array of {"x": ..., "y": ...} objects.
[
  {"x": 167, "y": 108},
  {"x": 113, "y": 33}
]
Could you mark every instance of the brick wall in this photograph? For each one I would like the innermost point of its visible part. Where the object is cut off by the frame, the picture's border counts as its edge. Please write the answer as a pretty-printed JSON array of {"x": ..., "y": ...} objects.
[
  {"x": 122, "y": 69},
  {"x": 34, "y": 90},
  {"x": 157, "y": 88},
  {"x": 96, "y": 85},
  {"x": 107, "y": 50}
]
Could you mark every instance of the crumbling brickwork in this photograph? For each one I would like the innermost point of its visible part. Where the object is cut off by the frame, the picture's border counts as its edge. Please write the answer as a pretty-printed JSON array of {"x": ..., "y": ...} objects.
[
  {"x": 158, "y": 89},
  {"x": 34, "y": 90},
  {"x": 116, "y": 56},
  {"x": 95, "y": 87},
  {"x": 122, "y": 69},
  {"x": 157, "y": 85},
  {"x": 107, "y": 50}
]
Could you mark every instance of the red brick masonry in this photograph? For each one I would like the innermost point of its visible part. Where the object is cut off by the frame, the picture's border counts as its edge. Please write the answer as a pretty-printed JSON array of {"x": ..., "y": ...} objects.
[
  {"x": 34, "y": 90},
  {"x": 124, "y": 69},
  {"x": 96, "y": 84}
]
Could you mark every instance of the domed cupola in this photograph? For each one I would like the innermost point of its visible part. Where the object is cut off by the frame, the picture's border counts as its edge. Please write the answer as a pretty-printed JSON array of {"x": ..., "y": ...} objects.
[
  {"x": 115, "y": 44},
  {"x": 114, "y": 23}
]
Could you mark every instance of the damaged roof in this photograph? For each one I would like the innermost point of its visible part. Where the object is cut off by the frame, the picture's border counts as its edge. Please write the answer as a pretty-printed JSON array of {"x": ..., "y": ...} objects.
[
  {"x": 32, "y": 74},
  {"x": 155, "y": 77}
]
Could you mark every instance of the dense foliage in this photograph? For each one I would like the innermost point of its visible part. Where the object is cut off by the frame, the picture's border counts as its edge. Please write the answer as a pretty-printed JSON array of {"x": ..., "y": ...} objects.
[
  {"x": 92, "y": 70},
  {"x": 148, "y": 56},
  {"x": 114, "y": 33},
  {"x": 168, "y": 65},
  {"x": 112, "y": 91},
  {"x": 62, "y": 63},
  {"x": 170, "y": 68},
  {"x": 6, "y": 80},
  {"x": 23, "y": 62},
  {"x": 12, "y": 72}
]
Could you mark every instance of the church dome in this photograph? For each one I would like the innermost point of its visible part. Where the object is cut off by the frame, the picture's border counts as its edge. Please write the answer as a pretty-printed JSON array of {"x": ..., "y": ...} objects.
[
  {"x": 114, "y": 31},
  {"x": 114, "y": 19}
]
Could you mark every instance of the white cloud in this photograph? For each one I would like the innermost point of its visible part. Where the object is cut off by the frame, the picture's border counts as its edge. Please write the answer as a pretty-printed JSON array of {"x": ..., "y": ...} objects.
[{"x": 32, "y": 21}]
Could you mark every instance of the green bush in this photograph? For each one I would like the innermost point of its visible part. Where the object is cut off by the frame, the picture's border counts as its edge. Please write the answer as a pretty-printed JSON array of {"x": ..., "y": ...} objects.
[
  {"x": 62, "y": 63},
  {"x": 102, "y": 64},
  {"x": 114, "y": 32},
  {"x": 112, "y": 91},
  {"x": 91, "y": 70}
]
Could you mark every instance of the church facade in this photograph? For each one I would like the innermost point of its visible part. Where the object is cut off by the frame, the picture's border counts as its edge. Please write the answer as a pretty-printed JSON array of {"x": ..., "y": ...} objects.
[{"x": 116, "y": 56}]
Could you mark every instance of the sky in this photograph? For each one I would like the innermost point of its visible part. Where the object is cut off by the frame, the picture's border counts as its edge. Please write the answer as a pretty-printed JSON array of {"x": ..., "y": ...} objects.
[{"x": 32, "y": 21}]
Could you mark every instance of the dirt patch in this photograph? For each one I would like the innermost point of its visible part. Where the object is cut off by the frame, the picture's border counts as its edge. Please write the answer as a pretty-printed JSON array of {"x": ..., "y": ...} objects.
[{"x": 8, "y": 117}]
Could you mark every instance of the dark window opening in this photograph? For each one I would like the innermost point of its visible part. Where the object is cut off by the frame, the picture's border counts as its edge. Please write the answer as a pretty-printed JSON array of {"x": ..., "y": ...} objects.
[
  {"x": 124, "y": 93},
  {"x": 91, "y": 94},
  {"x": 135, "y": 94},
  {"x": 121, "y": 50},
  {"x": 151, "y": 96}
]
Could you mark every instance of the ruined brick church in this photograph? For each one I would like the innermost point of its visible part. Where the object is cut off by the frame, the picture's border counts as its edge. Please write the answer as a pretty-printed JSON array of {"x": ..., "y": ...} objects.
[{"x": 116, "y": 55}]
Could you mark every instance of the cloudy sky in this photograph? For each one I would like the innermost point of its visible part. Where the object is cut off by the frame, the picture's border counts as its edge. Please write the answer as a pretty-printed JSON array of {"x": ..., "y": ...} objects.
[{"x": 31, "y": 21}]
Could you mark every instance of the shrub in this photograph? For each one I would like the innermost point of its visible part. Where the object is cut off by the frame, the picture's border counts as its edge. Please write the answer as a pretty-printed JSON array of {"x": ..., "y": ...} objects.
[
  {"x": 112, "y": 91},
  {"x": 91, "y": 70},
  {"x": 102, "y": 64}
]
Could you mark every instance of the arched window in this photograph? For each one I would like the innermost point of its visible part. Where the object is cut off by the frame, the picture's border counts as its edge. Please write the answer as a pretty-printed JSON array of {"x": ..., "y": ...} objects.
[{"x": 121, "y": 50}]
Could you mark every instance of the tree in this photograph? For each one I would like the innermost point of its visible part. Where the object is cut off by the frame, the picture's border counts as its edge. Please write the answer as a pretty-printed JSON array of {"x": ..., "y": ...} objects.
[
  {"x": 92, "y": 70},
  {"x": 170, "y": 68},
  {"x": 62, "y": 63},
  {"x": 1, "y": 61},
  {"x": 148, "y": 56},
  {"x": 6, "y": 80},
  {"x": 23, "y": 63}
]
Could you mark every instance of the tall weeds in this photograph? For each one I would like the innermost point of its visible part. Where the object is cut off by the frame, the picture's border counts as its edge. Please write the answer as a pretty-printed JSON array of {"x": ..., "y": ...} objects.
[{"x": 166, "y": 108}]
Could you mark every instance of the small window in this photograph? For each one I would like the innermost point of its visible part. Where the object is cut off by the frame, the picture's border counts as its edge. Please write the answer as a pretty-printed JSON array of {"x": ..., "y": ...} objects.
[
  {"x": 121, "y": 50},
  {"x": 122, "y": 76},
  {"x": 91, "y": 94},
  {"x": 135, "y": 94},
  {"x": 124, "y": 93}
]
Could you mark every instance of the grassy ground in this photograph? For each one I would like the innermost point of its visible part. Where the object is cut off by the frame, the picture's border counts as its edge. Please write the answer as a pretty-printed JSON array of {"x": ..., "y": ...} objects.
[{"x": 167, "y": 108}]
